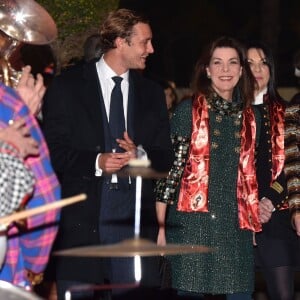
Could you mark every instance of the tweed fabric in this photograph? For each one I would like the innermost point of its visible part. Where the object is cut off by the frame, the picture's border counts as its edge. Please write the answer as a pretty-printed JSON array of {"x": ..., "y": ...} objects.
[{"x": 229, "y": 268}]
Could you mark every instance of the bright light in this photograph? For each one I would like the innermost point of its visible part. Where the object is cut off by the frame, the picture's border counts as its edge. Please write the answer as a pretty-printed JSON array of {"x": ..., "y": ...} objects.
[
  {"x": 20, "y": 17},
  {"x": 67, "y": 295},
  {"x": 137, "y": 268}
]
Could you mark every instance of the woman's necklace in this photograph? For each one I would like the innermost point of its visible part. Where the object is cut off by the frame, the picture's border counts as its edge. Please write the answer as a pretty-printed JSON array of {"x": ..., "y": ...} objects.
[{"x": 223, "y": 107}]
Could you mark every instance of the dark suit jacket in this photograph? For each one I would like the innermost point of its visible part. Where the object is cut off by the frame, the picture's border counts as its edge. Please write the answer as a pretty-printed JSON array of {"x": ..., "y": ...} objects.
[
  {"x": 73, "y": 127},
  {"x": 279, "y": 226}
]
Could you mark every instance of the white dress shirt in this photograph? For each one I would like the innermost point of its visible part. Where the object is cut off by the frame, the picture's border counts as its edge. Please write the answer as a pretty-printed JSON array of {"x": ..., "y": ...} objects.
[
  {"x": 105, "y": 74},
  {"x": 259, "y": 98}
]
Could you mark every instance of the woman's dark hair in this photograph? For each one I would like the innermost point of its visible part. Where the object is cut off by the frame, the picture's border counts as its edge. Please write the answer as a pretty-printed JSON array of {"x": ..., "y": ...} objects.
[
  {"x": 272, "y": 90},
  {"x": 119, "y": 23},
  {"x": 202, "y": 84}
]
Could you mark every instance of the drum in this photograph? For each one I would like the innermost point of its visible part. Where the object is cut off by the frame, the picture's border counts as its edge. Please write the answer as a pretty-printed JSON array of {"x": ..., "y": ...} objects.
[{"x": 11, "y": 292}]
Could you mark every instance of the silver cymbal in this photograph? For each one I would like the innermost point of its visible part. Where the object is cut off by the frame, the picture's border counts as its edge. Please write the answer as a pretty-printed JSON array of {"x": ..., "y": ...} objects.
[
  {"x": 131, "y": 248},
  {"x": 11, "y": 292},
  {"x": 27, "y": 22}
]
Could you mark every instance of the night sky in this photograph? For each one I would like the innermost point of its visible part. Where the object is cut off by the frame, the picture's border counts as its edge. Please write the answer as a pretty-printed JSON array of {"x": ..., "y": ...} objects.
[{"x": 182, "y": 28}]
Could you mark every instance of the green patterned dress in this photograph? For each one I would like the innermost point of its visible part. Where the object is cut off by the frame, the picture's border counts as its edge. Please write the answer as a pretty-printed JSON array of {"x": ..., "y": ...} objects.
[{"x": 229, "y": 268}]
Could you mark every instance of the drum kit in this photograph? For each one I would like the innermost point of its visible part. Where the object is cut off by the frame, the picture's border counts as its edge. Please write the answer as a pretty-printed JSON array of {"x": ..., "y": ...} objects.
[
  {"x": 25, "y": 21},
  {"x": 136, "y": 247}
]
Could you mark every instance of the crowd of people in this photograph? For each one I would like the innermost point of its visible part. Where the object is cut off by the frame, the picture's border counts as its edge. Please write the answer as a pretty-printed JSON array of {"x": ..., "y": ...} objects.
[{"x": 230, "y": 151}]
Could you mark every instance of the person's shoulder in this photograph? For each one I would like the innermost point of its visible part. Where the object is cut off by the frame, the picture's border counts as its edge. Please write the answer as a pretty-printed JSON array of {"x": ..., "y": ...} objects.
[
  {"x": 71, "y": 71},
  {"x": 184, "y": 105},
  {"x": 74, "y": 75},
  {"x": 292, "y": 111},
  {"x": 181, "y": 121},
  {"x": 183, "y": 109}
]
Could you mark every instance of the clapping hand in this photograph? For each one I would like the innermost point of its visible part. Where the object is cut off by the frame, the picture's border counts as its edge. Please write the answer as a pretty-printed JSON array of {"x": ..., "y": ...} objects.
[
  {"x": 31, "y": 90},
  {"x": 18, "y": 135}
]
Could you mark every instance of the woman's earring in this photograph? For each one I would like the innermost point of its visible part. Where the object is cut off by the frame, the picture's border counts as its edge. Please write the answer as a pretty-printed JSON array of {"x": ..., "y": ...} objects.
[{"x": 208, "y": 76}]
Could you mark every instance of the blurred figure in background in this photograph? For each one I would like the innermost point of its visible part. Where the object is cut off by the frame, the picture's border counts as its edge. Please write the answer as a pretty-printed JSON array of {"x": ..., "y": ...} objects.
[
  {"x": 169, "y": 88},
  {"x": 40, "y": 58},
  {"x": 296, "y": 63},
  {"x": 91, "y": 51},
  {"x": 92, "y": 47}
]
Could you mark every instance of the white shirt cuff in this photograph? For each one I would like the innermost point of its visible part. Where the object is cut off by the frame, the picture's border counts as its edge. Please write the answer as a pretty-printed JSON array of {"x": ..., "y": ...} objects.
[{"x": 98, "y": 171}]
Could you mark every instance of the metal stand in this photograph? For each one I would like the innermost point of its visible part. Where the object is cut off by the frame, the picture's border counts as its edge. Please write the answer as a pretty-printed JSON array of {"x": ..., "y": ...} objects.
[{"x": 137, "y": 226}]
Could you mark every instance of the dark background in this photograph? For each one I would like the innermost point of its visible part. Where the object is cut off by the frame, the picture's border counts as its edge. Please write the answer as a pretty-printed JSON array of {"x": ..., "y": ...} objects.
[{"x": 182, "y": 28}]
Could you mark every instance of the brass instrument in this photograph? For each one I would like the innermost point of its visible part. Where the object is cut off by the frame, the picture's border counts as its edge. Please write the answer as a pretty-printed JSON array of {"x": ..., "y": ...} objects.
[{"x": 21, "y": 21}]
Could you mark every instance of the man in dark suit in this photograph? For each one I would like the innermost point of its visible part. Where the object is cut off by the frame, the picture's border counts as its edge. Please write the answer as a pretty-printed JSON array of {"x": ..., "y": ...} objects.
[{"x": 77, "y": 127}]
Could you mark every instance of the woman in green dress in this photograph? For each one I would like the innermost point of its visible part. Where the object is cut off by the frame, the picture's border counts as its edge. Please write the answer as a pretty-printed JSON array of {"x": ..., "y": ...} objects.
[{"x": 210, "y": 195}]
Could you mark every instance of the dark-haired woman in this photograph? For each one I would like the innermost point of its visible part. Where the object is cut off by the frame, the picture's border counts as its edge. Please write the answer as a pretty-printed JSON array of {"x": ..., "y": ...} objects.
[
  {"x": 211, "y": 189},
  {"x": 277, "y": 250}
]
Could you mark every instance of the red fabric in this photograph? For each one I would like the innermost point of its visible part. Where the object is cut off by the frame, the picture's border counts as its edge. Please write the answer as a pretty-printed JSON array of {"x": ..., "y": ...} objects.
[
  {"x": 194, "y": 184},
  {"x": 277, "y": 138},
  {"x": 247, "y": 189}
]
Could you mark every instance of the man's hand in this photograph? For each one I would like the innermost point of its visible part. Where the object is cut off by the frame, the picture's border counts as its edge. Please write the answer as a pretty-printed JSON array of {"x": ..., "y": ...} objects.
[
  {"x": 266, "y": 209},
  {"x": 18, "y": 135},
  {"x": 128, "y": 145},
  {"x": 31, "y": 90},
  {"x": 113, "y": 162}
]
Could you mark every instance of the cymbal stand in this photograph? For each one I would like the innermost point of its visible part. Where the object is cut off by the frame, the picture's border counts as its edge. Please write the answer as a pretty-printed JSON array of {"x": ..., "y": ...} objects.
[
  {"x": 140, "y": 154},
  {"x": 138, "y": 201},
  {"x": 137, "y": 226}
]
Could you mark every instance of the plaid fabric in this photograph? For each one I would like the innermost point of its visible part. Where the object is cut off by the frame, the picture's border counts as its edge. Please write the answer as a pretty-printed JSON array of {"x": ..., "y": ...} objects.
[
  {"x": 16, "y": 180},
  {"x": 30, "y": 250}
]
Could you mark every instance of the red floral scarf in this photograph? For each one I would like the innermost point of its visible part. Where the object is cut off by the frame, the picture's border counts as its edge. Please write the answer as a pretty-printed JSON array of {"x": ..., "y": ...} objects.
[
  {"x": 193, "y": 196},
  {"x": 277, "y": 110}
]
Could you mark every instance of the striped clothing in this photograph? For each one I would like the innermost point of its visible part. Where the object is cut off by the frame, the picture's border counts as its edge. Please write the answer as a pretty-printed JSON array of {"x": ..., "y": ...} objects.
[
  {"x": 292, "y": 156},
  {"x": 30, "y": 251}
]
